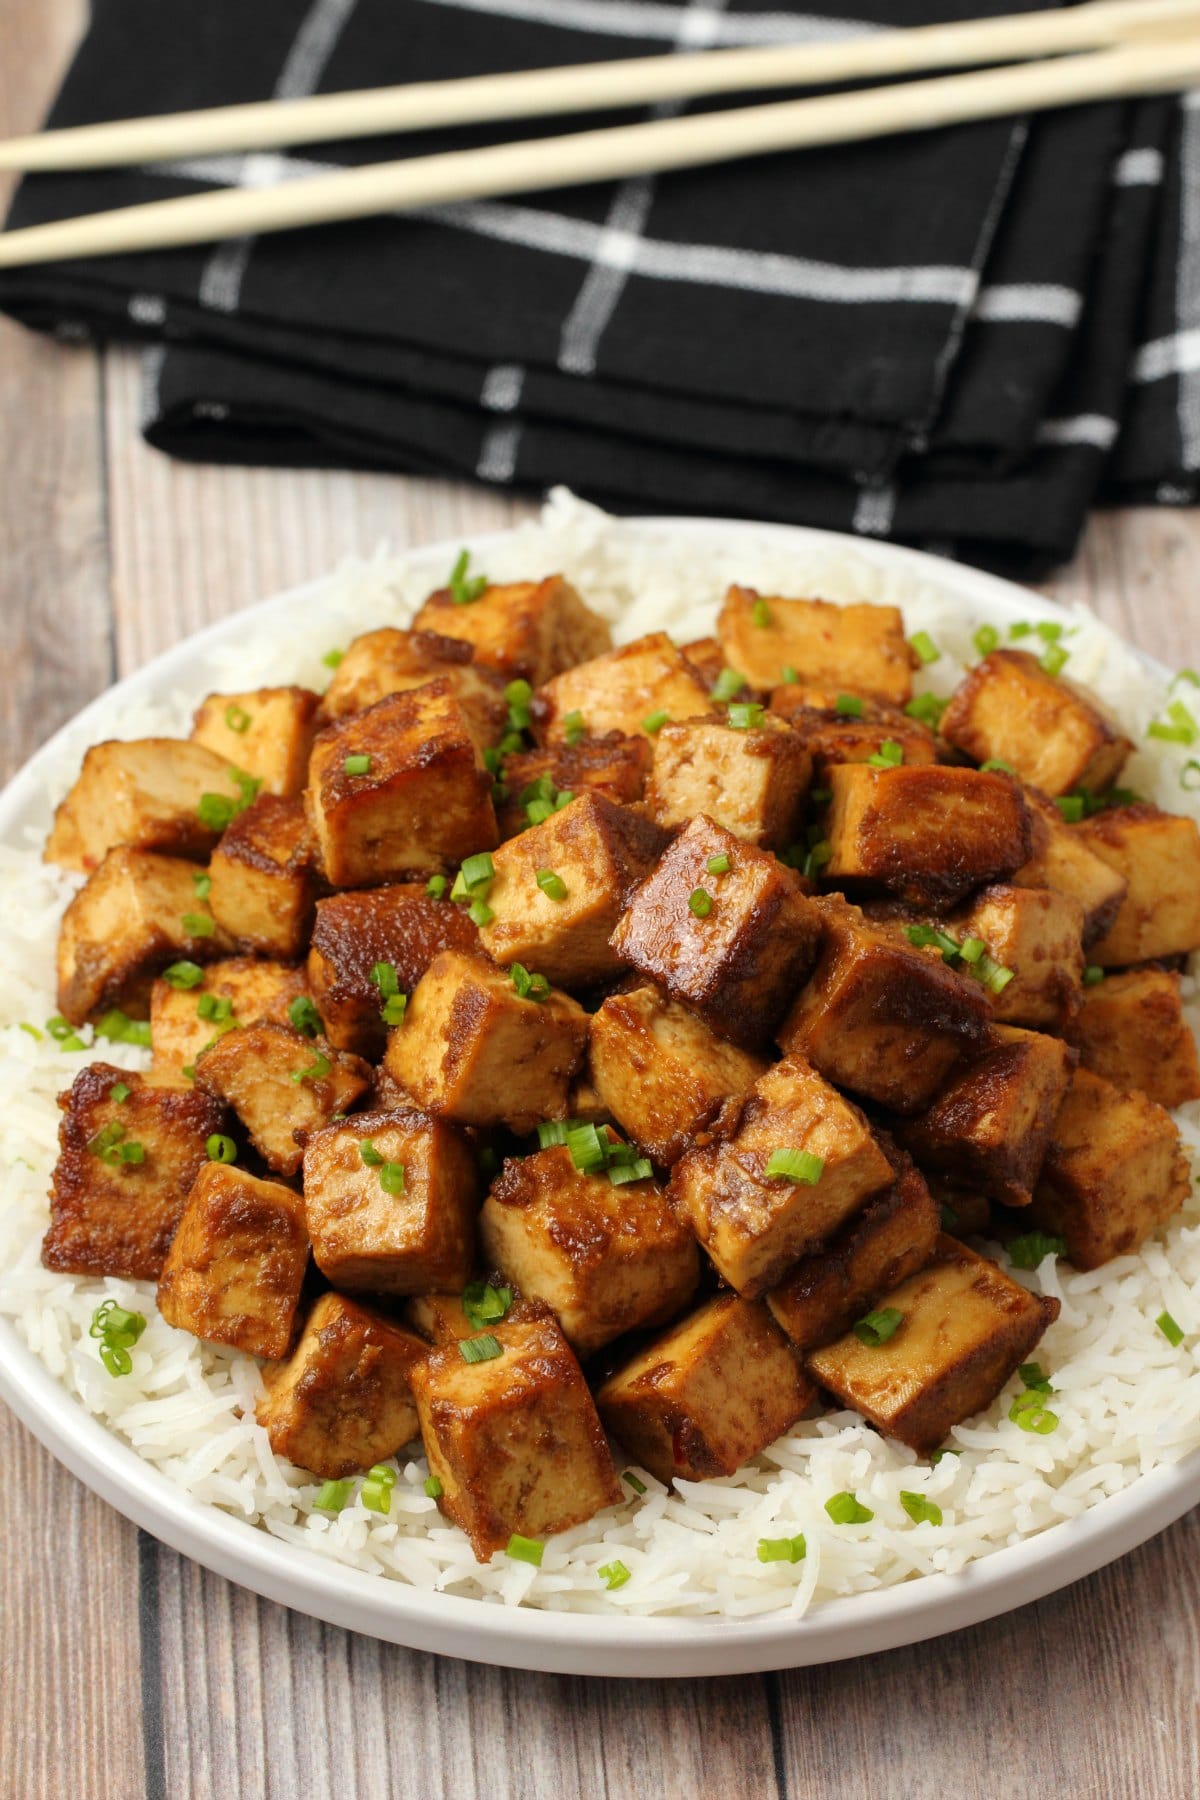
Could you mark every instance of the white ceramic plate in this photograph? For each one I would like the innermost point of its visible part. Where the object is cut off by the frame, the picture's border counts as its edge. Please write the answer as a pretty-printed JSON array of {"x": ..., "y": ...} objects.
[{"x": 530, "y": 1638}]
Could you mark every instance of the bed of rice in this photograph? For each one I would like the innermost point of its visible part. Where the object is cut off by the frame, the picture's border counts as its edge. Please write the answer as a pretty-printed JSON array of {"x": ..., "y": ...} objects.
[{"x": 1126, "y": 1400}]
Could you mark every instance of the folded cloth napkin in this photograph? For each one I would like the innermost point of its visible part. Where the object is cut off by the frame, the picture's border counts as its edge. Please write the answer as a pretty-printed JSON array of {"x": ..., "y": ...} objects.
[{"x": 888, "y": 337}]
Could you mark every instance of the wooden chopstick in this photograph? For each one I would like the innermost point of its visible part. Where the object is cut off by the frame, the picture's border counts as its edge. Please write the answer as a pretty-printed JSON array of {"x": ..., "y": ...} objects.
[
  {"x": 640, "y": 81},
  {"x": 544, "y": 163}
]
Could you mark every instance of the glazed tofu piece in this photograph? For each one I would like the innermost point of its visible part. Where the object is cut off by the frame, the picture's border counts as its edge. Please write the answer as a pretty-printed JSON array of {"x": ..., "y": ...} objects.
[
  {"x": 734, "y": 945},
  {"x": 1131, "y": 1030},
  {"x": 752, "y": 783},
  {"x": 620, "y": 691},
  {"x": 756, "y": 1222},
  {"x": 965, "y": 1327},
  {"x": 1056, "y": 738},
  {"x": 343, "y": 1400},
  {"x": 268, "y": 733},
  {"x": 263, "y": 882},
  {"x": 1038, "y": 935},
  {"x": 389, "y": 661},
  {"x": 832, "y": 738},
  {"x": 237, "y": 991},
  {"x": 398, "y": 788},
  {"x": 889, "y": 1240},
  {"x": 236, "y": 1265},
  {"x": 354, "y": 933},
  {"x": 513, "y": 1439},
  {"x": 282, "y": 1086},
  {"x": 659, "y": 1070},
  {"x": 1114, "y": 1171},
  {"x": 125, "y": 1168},
  {"x": 1157, "y": 855},
  {"x": 599, "y": 852},
  {"x": 605, "y": 1259},
  {"x": 530, "y": 629},
  {"x": 851, "y": 649},
  {"x": 137, "y": 913},
  {"x": 927, "y": 834},
  {"x": 144, "y": 795},
  {"x": 881, "y": 1017},
  {"x": 990, "y": 1126},
  {"x": 709, "y": 1394},
  {"x": 1061, "y": 860},
  {"x": 473, "y": 1051},
  {"x": 613, "y": 765},
  {"x": 384, "y": 1232}
]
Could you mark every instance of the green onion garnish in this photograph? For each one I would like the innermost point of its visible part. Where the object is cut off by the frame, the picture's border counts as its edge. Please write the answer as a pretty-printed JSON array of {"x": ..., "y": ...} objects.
[
  {"x": 551, "y": 1132},
  {"x": 920, "y": 1510},
  {"x": 478, "y": 872},
  {"x": 613, "y": 1574},
  {"x": 1071, "y": 806},
  {"x": 316, "y": 1070},
  {"x": 877, "y": 1327},
  {"x": 1093, "y": 975},
  {"x": 333, "y": 658},
  {"x": 385, "y": 978},
  {"x": 333, "y": 1496},
  {"x": 927, "y": 708},
  {"x": 656, "y": 720},
  {"x": 799, "y": 1166},
  {"x": 789, "y": 674},
  {"x": 760, "y": 613},
  {"x": 700, "y": 903},
  {"x": 433, "y": 1487},
  {"x": 120, "y": 1092},
  {"x": 119, "y": 1028},
  {"x": 528, "y": 985},
  {"x": 391, "y": 1178},
  {"x": 972, "y": 950},
  {"x": 996, "y": 765},
  {"x": 370, "y": 1155},
  {"x": 844, "y": 1509},
  {"x": 435, "y": 887},
  {"x": 480, "y": 913},
  {"x": 220, "y": 1149},
  {"x": 237, "y": 718},
  {"x": 63, "y": 1033},
  {"x": 359, "y": 764},
  {"x": 986, "y": 639},
  {"x": 118, "y": 1331},
  {"x": 784, "y": 1549},
  {"x": 745, "y": 716},
  {"x": 1054, "y": 659},
  {"x": 587, "y": 1149},
  {"x": 31, "y": 1030},
  {"x": 573, "y": 727},
  {"x": 634, "y": 1481},
  {"x": 479, "y": 1349},
  {"x": 182, "y": 975},
  {"x": 816, "y": 858},
  {"x": 639, "y": 1169},
  {"x": 552, "y": 885},
  {"x": 889, "y": 755},
  {"x": 216, "y": 811},
  {"x": 718, "y": 865},
  {"x": 1030, "y": 1251},
  {"x": 993, "y": 975},
  {"x": 849, "y": 706},
  {"x": 924, "y": 646},
  {"x": 394, "y": 1009},
  {"x": 304, "y": 1016},
  {"x": 519, "y": 694},
  {"x": 729, "y": 683},
  {"x": 1171, "y": 1330},
  {"x": 1035, "y": 1377},
  {"x": 936, "y": 1456},
  {"x": 215, "y": 1007},
  {"x": 1028, "y": 1412},
  {"x": 523, "y": 1549},
  {"x": 198, "y": 924},
  {"x": 485, "y": 1305},
  {"x": 464, "y": 589},
  {"x": 377, "y": 1488}
]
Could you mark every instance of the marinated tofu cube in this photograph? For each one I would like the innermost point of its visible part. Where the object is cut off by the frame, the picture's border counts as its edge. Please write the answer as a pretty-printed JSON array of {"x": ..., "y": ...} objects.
[
  {"x": 620, "y": 691},
  {"x": 268, "y": 733},
  {"x": 137, "y": 913},
  {"x": 355, "y": 933},
  {"x": 398, "y": 788},
  {"x": 585, "y": 1104},
  {"x": 928, "y": 834},
  {"x": 852, "y": 649},
  {"x": 732, "y": 945},
  {"x": 1157, "y": 855},
  {"x": 832, "y": 738},
  {"x": 1114, "y": 1171},
  {"x": 599, "y": 852},
  {"x": 659, "y": 1070},
  {"x": 514, "y": 1438},
  {"x": 753, "y": 783},
  {"x": 1131, "y": 1030},
  {"x": 1061, "y": 860},
  {"x": 881, "y": 1017},
  {"x": 343, "y": 1400},
  {"x": 473, "y": 1050},
  {"x": 1056, "y": 738},
  {"x": 889, "y": 1240},
  {"x": 388, "y": 661},
  {"x": 989, "y": 1127},
  {"x": 613, "y": 765},
  {"x": 530, "y": 629},
  {"x": 709, "y": 1394},
  {"x": 239, "y": 991},
  {"x": 965, "y": 1327},
  {"x": 236, "y": 1265},
  {"x": 756, "y": 1217},
  {"x": 392, "y": 1199},
  {"x": 282, "y": 1086},
  {"x": 263, "y": 881},
  {"x": 1037, "y": 934},
  {"x": 125, "y": 1168},
  {"x": 146, "y": 796},
  {"x": 606, "y": 1259}
]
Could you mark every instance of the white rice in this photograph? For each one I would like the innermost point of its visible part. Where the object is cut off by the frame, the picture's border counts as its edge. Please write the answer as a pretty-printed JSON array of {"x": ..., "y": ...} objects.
[{"x": 1126, "y": 1400}]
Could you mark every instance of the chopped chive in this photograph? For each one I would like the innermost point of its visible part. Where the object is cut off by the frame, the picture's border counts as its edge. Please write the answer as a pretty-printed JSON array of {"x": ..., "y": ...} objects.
[
  {"x": 1048, "y": 630},
  {"x": 391, "y": 1178},
  {"x": 528, "y": 985},
  {"x": 220, "y": 1149},
  {"x": 819, "y": 854},
  {"x": 760, "y": 613},
  {"x": 1170, "y": 734},
  {"x": 1179, "y": 715},
  {"x": 972, "y": 949},
  {"x": 889, "y": 755},
  {"x": 656, "y": 720},
  {"x": 370, "y": 1155},
  {"x": 523, "y": 1549},
  {"x": 849, "y": 706},
  {"x": 316, "y": 1070},
  {"x": 993, "y": 975},
  {"x": 216, "y": 1007},
  {"x": 538, "y": 811},
  {"x": 183, "y": 975},
  {"x": 32, "y": 1030},
  {"x": 1031, "y": 1250},
  {"x": 986, "y": 639},
  {"x": 552, "y": 885},
  {"x": 1071, "y": 806},
  {"x": 1171, "y": 1330},
  {"x": 120, "y": 1092},
  {"x": 729, "y": 683},
  {"x": 478, "y": 872},
  {"x": 573, "y": 727},
  {"x": 784, "y": 1549},
  {"x": 551, "y": 1132},
  {"x": 119, "y": 1028},
  {"x": 333, "y": 658},
  {"x": 924, "y": 646},
  {"x": 464, "y": 589},
  {"x": 333, "y": 1496},
  {"x": 700, "y": 903},
  {"x": 640, "y": 1169},
  {"x": 202, "y": 882},
  {"x": 433, "y": 1487},
  {"x": 920, "y": 1510},
  {"x": 237, "y": 718},
  {"x": 435, "y": 887},
  {"x": 927, "y": 709},
  {"x": 63, "y": 1034},
  {"x": 1028, "y": 1412},
  {"x": 485, "y": 1305},
  {"x": 1189, "y": 776},
  {"x": 377, "y": 1488},
  {"x": 996, "y": 765},
  {"x": 1022, "y": 629},
  {"x": 385, "y": 978},
  {"x": 613, "y": 1575},
  {"x": 519, "y": 694},
  {"x": 745, "y": 716},
  {"x": 718, "y": 865},
  {"x": 923, "y": 937},
  {"x": 937, "y": 1456},
  {"x": 587, "y": 1149},
  {"x": 118, "y": 1331},
  {"x": 188, "y": 1071},
  {"x": 1034, "y": 1377},
  {"x": 1093, "y": 975},
  {"x": 359, "y": 764},
  {"x": 216, "y": 811},
  {"x": 394, "y": 1008},
  {"x": 198, "y": 924},
  {"x": 789, "y": 674},
  {"x": 480, "y": 913},
  {"x": 479, "y": 1349},
  {"x": 845, "y": 1509},
  {"x": 633, "y": 1481},
  {"x": 304, "y": 1016},
  {"x": 877, "y": 1327},
  {"x": 799, "y": 1166},
  {"x": 1054, "y": 659}
]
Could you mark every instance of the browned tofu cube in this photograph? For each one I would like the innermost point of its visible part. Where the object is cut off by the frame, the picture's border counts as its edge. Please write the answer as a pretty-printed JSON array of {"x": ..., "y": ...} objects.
[
  {"x": 398, "y": 788},
  {"x": 1007, "y": 709},
  {"x": 881, "y": 1017},
  {"x": 268, "y": 733},
  {"x": 709, "y": 1394},
  {"x": 733, "y": 945},
  {"x": 1131, "y": 1030},
  {"x": 343, "y": 1400},
  {"x": 282, "y": 1086},
  {"x": 659, "y": 1069},
  {"x": 514, "y": 1439},
  {"x": 756, "y": 1224},
  {"x": 599, "y": 852},
  {"x": 389, "y": 661},
  {"x": 1060, "y": 859},
  {"x": 238, "y": 991},
  {"x": 124, "y": 1171},
  {"x": 145, "y": 795},
  {"x": 620, "y": 691},
  {"x": 928, "y": 834},
  {"x": 753, "y": 783},
  {"x": 1157, "y": 855},
  {"x": 585, "y": 1104},
  {"x": 852, "y": 649},
  {"x": 1038, "y": 935},
  {"x": 606, "y": 1259},
  {"x": 613, "y": 765},
  {"x": 889, "y": 1240},
  {"x": 472, "y": 1050},
  {"x": 263, "y": 881},
  {"x": 990, "y": 1125},
  {"x": 531, "y": 629},
  {"x": 1114, "y": 1171},
  {"x": 831, "y": 737},
  {"x": 236, "y": 1264},
  {"x": 385, "y": 1232},
  {"x": 137, "y": 913},
  {"x": 965, "y": 1327}
]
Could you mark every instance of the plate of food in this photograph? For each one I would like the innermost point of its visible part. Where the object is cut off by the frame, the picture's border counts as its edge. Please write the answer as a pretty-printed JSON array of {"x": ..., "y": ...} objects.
[{"x": 618, "y": 1098}]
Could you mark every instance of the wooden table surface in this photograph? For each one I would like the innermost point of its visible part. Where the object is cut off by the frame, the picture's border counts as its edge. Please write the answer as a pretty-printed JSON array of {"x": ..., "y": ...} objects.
[{"x": 128, "y": 1670}]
